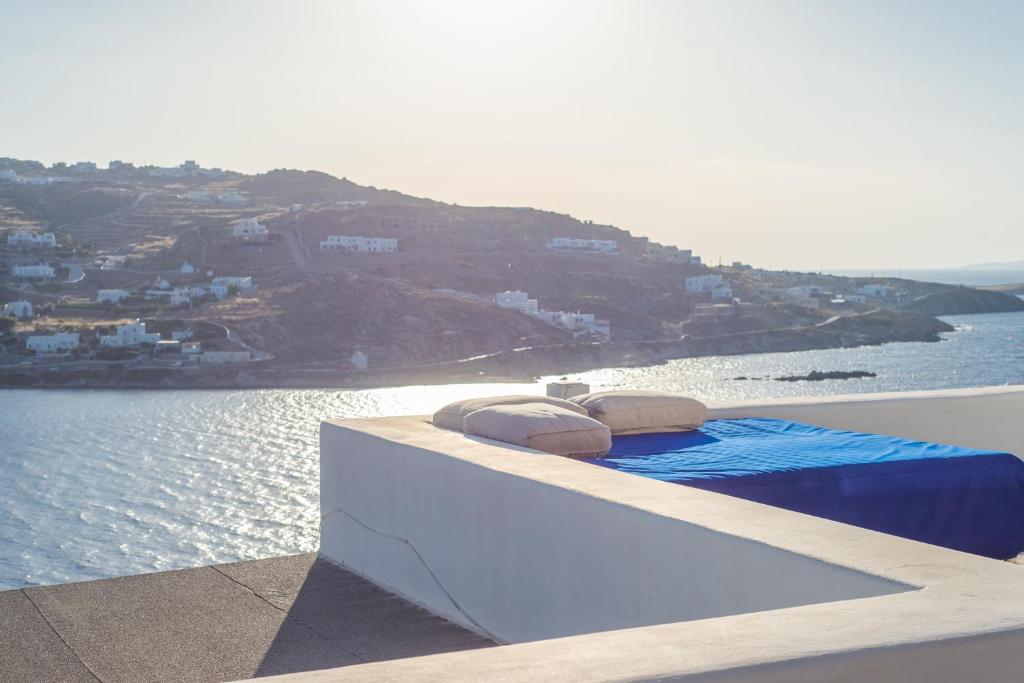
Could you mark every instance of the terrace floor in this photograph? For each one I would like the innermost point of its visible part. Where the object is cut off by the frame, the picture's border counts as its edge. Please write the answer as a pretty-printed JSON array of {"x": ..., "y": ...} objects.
[{"x": 217, "y": 623}]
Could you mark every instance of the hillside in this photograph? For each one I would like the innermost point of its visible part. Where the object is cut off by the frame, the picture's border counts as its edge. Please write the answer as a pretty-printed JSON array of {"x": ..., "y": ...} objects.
[
  {"x": 429, "y": 301},
  {"x": 324, "y": 321},
  {"x": 965, "y": 300}
]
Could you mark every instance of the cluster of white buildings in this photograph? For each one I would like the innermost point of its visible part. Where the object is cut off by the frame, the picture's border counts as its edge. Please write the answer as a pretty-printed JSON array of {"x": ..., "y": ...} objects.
[
  {"x": 33, "y": 272},
  {"x": 62, "y": 342},
  {"x": 186, "y": 169},
  {"x": 23, "y": 239},
  {"x": 712, "y": 284},
  {"x": 8, "y": 175},
  {"x": 577, "y": 323},
  {"x": 369, "y": 245},
  {"x": 875, "y": 291},
  {"x": 577, "y": 244},
  {"x": 18, "y": 309},
  {"x": 250, "y": 230},
  {"x": 220, "y": 288},
  {"x": 128, "y": 336},
  {"x": 667, "y": 253}
]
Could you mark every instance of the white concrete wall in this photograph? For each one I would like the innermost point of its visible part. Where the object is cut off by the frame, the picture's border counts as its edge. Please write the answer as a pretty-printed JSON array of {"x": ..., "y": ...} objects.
[
  {"x": 989, "y": 417},
  {"x": 516, "y": 537},
  {"x": 522, "y": 559}
]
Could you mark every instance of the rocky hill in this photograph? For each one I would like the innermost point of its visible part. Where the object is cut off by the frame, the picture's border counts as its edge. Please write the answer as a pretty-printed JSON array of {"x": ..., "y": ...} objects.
[
  {"x": 431, "y": 302},
  {"x": 962, "y": 300}
]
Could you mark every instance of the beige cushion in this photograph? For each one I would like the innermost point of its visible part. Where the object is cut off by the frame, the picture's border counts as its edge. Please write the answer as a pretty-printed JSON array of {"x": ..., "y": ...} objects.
[
  {"x": 451, "y": 416},
  {"x": 637, "y": 412},
  {"x": 542, "y": 427}
]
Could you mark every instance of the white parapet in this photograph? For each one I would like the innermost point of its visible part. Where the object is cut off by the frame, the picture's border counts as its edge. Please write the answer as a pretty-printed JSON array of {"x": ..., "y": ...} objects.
[{"x": 601, "y": 575}]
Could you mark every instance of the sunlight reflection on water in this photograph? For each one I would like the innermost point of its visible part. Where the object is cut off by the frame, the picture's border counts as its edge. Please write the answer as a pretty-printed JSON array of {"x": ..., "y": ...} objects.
[{"x": 106, "y": 483}]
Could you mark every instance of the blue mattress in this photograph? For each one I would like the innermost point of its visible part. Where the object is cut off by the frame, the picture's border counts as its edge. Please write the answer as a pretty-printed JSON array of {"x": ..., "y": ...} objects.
[{"x": 960, "y": 498}]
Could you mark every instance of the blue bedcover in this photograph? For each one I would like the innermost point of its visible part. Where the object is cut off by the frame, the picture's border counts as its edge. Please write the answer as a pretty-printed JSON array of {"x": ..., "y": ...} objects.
[{"x": 960, "y": 498}]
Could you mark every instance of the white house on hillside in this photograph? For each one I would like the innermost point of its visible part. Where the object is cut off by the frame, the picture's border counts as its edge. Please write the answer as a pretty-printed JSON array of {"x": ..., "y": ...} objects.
[
  {"x": 576, "y": 244},
  {"x": 519, "y": 301},
  {"x": 129, "y": 335},
  {"x": 577, "y": 323},
  {"x": 19, "y": 309},
  {"x": 359, "y": 360},
  {"x": 662, "y": 253},
  {"x": 701, "y": 284},
  {"x": 242, "y": 282},
  {"x": 369, "y": 245},
  {"x": 250, "y": 230},
  {"x": 187, "y": 268},
  {"x": 35, "y": 272},
  {"x": 873, "y": 290},
  {"x": 52, "y": 343},
  {"x": 111, "y": 296},
  {"x": 23, "y": 239}
]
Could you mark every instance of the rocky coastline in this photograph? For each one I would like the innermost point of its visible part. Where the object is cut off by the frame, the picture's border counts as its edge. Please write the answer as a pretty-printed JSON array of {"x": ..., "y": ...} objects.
[{"x": 520, "y": 365}]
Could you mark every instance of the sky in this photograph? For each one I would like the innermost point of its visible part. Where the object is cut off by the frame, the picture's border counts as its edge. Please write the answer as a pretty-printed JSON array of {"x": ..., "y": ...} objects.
[{"x": 790, "y": 134}]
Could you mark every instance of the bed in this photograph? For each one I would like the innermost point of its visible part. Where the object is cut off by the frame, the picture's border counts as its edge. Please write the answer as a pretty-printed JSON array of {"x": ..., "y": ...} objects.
[{"x": 960, "y": 498}]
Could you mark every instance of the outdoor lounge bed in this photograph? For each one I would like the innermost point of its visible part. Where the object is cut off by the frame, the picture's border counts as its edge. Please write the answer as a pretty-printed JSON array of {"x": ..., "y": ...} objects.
[{"x": 960, "y": 498}]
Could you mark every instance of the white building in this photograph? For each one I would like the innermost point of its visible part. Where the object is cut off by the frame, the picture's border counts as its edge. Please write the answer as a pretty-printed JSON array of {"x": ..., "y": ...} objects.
[
  {"x": 242, "y": 282},
  {"x": 233, "y": 198},
  {"x": 721, "y": 293},
  {"x": 702, "y": 284},
  {"x": 52, "y": 343},
  {"x": 129, "y": 335},
  {"x": 35, "y": 272},
  {"x": 111, "y": 296},
  {"x": 876, "y": 291},
  {"x": 661, "y": 253},
  {"x": 519, "y": 301},
  {"x": 577, "y": 323},
  {"x": 23, "y": 239},
  {"x": 369, "y": 245},
  {"x": 250, "y": 230},
  {"x": 359, "y": 360},
  {"x": 112, "y": 262},
  {"x": 220, "y": 357},
  {"x": 19, "y": 309},
  {"x": 576, "y": 244},
  {"x": 182, "y": 335},
  {"x": 192, "y": 348},
  {"x": 187, "y": 268}
]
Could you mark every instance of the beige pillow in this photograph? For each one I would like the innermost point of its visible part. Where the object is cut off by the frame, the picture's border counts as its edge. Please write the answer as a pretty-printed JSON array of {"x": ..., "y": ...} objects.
[
  {"x": 451, "y": 416},
  {"x": 637, "y": 412},
  {"x": 542, "y": 427}
]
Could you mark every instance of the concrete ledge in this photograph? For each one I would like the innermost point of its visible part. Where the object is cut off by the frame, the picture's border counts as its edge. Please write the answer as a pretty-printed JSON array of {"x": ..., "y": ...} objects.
[{"x": 528, "y": 546}]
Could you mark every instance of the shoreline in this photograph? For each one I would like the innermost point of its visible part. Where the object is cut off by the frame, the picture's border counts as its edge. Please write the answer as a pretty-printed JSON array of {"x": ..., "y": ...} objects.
[{"x": 516, "y": 366}]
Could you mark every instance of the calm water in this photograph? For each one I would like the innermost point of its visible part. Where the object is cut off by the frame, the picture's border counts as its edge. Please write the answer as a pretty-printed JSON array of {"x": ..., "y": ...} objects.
[{"x": 101, "y": 483}]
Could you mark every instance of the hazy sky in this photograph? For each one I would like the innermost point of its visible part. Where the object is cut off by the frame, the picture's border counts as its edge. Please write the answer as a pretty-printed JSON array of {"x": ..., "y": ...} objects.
[{"x": 791, "y": 134}]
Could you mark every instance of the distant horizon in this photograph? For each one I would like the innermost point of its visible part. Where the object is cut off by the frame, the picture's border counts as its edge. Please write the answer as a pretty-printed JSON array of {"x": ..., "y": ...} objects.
[{"x": 787, "y": 133}]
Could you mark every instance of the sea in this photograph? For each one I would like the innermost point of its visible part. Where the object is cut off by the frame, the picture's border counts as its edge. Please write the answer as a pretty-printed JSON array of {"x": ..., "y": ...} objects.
[{"x": 101, "y": 483}]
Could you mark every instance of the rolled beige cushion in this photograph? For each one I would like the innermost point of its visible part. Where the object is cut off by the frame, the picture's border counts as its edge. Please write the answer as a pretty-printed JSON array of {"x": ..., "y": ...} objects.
[
  {"x": 452, "y": 415},
  {"x": 638, "y": 412},
  {"x": 542, "y": 427}
]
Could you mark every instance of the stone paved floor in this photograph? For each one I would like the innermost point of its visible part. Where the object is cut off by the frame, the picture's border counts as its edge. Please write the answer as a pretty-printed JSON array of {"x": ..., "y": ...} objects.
[{"x": 217, "y": 623}]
